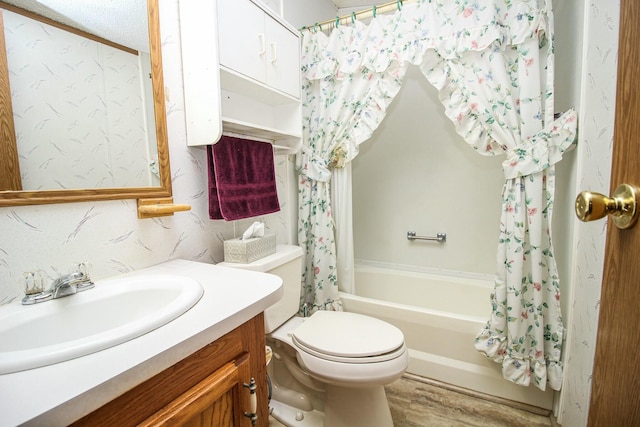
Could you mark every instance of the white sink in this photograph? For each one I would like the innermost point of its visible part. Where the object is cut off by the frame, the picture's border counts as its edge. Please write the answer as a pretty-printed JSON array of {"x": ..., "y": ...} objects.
[{"x": 115, "y": 311}]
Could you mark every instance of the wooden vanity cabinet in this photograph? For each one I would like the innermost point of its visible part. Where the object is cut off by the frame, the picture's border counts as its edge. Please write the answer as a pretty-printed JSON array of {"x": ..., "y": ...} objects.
[{"x": 205, "y": 389}]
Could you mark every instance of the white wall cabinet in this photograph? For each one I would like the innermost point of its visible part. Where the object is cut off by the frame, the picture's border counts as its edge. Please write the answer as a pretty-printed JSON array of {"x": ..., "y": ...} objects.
[
  {"x": 258, "y": 66},
  {"x": 256, "y": 45}
]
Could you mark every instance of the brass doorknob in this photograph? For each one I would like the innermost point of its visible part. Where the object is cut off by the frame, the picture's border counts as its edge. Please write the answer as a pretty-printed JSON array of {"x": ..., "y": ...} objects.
[{"x": 621, "y": 206}]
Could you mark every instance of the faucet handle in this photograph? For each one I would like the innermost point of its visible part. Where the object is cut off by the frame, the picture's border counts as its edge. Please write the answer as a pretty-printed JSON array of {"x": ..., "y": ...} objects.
[
  {"x": 33, "y": 282},
  {"x": 82, "y": 267},
  {"x": 81, "y": 271},
  {"x": 34, "y": 288}
]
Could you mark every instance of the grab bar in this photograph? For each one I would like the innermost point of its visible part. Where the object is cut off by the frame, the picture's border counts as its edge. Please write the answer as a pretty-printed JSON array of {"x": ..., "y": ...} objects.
[{"x": 440, "y": 237}]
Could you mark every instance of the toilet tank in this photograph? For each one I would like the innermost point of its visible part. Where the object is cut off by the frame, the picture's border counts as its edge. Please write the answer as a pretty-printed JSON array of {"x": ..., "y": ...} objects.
[{"x": 287, "y": 264}]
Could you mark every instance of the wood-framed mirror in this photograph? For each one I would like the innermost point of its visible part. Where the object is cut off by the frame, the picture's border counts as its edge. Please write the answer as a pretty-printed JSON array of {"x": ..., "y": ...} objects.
[{"x": 14, "y": 158}]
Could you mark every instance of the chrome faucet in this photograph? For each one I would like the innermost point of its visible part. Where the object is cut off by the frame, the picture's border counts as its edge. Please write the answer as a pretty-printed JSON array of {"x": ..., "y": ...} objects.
[
  {"x": 63, "y": 286},
  {"x": 69, "y": 284}
]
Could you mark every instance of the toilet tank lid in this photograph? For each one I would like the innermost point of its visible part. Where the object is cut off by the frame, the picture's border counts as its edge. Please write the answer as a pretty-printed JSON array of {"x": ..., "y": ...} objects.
[{"x": 283, "y": 254}]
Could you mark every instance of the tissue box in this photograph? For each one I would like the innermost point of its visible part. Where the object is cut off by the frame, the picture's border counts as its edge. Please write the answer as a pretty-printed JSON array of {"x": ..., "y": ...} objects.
[{"x": 249, "y": 250}]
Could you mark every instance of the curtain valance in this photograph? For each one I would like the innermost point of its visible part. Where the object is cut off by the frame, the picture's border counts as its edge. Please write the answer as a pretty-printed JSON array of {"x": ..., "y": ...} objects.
[{"x": 448, "y": 28}]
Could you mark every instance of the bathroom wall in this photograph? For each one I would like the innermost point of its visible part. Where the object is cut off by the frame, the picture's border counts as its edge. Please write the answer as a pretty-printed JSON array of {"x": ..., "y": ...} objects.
[
  {"x": 108, "y": 234},
  {"x": 568, "y": 78},
  {"x": 300, "y": 13},
  {"x": 593, "y": 159}
]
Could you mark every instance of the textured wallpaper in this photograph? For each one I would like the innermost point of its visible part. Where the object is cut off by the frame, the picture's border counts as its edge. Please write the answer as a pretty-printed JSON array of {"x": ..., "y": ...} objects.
[
  {"x": 108, "y": 234},
  {"x": 594, "y": 159}
]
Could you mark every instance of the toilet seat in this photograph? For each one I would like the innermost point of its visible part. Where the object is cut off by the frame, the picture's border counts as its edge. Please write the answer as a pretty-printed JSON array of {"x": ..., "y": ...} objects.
[
  {"x": 348, "y": 338},
  {"x": 348, "y": 366}
]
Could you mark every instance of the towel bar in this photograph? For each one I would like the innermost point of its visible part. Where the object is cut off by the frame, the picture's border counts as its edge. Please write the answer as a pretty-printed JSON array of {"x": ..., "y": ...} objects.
[
  {"x": 151, "y": 208},
  {"x": 440, "y": 237}
]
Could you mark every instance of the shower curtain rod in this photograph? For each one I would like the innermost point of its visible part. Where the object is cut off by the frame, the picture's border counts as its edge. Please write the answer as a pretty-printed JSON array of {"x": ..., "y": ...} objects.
[{"x": 392, "y": 6}]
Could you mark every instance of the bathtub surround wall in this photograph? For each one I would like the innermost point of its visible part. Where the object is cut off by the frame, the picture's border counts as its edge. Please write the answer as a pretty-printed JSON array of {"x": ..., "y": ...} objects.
[{"x": 417, "y": 174}]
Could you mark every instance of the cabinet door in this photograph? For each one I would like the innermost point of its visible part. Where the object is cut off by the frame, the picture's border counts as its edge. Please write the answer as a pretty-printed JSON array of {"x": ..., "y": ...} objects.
[
  {"x": 241, "y": 37},
  {"x": 216, "y": 401},
  {"x": 282, "y": 58}
]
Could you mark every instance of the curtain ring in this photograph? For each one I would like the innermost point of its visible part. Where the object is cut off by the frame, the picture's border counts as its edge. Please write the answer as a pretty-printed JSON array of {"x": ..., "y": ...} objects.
[
  {"x": 337, "y": 21},
  {"x": 374, "y": 11},
  {"x": 315, "y": 27},
  {"x": 399, "y": 4},
  {"x": 353, "y": 17}
]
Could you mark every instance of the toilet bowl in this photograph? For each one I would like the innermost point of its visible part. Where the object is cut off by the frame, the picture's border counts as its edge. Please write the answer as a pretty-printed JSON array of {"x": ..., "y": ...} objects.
[{"x": 344, "y": 359}]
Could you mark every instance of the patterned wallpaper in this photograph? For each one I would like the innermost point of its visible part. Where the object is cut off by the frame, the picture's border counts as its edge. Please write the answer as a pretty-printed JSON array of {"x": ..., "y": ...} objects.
[
  {"x": 594, "y": 159},
  {"x": 78, "y": 109},
  {"x": 108, "y": 234}
]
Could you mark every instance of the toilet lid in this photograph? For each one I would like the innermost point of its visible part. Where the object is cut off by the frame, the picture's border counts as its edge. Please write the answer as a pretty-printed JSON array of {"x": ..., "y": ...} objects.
[{"x": 350, "y": 335}]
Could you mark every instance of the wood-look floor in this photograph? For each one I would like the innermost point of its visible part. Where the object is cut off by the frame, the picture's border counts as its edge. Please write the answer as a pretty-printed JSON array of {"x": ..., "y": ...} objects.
[{"x": 416, "y": 402}]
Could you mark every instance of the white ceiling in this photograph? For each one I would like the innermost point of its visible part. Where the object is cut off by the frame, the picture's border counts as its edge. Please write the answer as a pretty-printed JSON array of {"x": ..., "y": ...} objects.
[{"x": 121, "y": 21}]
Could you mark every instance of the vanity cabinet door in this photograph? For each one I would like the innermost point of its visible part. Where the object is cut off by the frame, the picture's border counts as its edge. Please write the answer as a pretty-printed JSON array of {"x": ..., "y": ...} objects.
[
  {"x": 217, "y": 401},
  {"x": 204, "y": 389}
]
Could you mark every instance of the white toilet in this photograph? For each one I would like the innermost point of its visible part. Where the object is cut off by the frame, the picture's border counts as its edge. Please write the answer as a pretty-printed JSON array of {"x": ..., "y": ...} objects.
[{"x": 333, "y": 365}]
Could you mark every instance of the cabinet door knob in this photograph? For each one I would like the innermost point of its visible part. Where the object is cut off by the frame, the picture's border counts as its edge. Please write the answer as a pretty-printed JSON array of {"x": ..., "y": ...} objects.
[{"x": 263, "y": 46}]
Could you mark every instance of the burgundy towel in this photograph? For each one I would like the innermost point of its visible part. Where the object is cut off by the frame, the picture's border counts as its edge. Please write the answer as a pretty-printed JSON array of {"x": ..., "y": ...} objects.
[{"x": 242, "y": 180}]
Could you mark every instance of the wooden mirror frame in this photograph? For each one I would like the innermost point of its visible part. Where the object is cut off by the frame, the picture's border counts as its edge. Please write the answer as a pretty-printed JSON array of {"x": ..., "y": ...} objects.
[{"x": 7, "y": 146}]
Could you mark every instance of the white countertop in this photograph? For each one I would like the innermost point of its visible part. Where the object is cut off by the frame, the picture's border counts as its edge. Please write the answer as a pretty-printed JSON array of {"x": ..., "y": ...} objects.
[{"x": 64, "y": 392}]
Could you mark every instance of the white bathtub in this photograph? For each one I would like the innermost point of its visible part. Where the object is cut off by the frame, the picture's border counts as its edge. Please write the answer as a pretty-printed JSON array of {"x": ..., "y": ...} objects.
[{"x": 440, "y": 316}]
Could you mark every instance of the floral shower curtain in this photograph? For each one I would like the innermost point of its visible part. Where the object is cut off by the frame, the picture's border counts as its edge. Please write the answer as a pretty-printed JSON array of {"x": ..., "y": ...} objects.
[
  {"x": 492, "y": 63},
  {"x": 341, "y": 108}
]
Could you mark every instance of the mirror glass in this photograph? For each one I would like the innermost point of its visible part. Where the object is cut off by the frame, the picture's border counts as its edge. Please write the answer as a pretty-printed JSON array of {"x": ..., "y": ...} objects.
[{"x": 84, "y": 84}]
